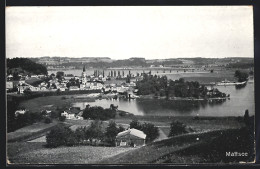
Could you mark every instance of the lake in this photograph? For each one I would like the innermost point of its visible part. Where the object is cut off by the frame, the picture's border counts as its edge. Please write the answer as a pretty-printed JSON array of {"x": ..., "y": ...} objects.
[{"x": 240, "y": 100}]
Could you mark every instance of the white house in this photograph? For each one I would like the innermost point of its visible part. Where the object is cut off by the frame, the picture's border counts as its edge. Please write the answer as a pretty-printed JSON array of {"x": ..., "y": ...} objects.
[
  {"x": 131, "y": 137},
  {"x": 68, "y": 114},
  {"x": 72, "y": 113},
  {"x": 17, "y": 112}
]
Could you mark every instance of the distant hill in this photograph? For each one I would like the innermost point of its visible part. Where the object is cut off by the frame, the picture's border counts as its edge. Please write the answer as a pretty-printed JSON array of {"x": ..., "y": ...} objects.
[
  {"x": 106, "y": 62},
  {"x": 25, "y": 66}
]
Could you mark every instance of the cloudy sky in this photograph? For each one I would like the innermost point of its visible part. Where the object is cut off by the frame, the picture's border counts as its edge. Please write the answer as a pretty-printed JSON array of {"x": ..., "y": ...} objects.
[{"x": 124, "y": 32}]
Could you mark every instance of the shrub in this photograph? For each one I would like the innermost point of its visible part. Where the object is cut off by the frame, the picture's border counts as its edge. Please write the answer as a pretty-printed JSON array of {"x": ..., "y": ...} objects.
[
  {"x": 62, "y": 118},
  {"x": 54, "y": 114},
  {"x": 47, "y": 120},
  {"x": 177, "y": 128}
]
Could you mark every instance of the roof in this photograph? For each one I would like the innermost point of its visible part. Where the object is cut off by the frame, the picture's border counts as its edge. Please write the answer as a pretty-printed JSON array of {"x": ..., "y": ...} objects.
[{"x": 133, "y": 132}]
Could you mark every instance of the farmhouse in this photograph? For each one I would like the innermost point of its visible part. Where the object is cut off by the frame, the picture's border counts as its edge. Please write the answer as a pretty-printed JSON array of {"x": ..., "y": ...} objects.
[
  {"x": 130, "y": 137},
  {"x": 72, "y": 113}
]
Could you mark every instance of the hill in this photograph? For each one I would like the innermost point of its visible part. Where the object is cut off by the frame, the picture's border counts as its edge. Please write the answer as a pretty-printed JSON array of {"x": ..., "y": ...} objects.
[
  {"x": 25, "y": 66},
  {"x": 210, "y": 147}
]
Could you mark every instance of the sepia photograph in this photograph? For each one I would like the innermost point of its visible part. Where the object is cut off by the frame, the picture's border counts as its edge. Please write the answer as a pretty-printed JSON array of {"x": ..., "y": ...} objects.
[{"x": 112, "y": 85}]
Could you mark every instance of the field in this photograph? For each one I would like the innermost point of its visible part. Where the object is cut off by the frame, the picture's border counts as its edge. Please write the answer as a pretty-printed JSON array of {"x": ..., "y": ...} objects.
[
  {"x": 51, "y": 102},
  {"x": 30, "y": 132},
  {"x": 38, "y": 154}
]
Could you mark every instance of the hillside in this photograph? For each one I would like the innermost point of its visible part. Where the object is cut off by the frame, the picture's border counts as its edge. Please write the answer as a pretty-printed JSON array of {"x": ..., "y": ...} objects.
[
  {"x": 24, "y": 66},
  {"x": 210, "y": 147}
]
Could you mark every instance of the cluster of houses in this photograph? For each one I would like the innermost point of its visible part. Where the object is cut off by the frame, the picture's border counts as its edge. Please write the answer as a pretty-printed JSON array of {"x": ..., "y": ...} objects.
[{"x": 54, "y": 84}]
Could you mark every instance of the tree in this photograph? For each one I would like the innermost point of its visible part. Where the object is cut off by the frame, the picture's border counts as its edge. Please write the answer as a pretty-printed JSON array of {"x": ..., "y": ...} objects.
[
  {"x": 241, "y": 76},
  {"x": 120, "y": 129},
  {"x": 81, "y": 134},
  {"x": 135, "y": 124},
  {"x": 177, "y": 128},
  {"x": 95, "y": 130},
  {"x": 111, "y": 132},
  {"x": 59, "y": 136},
  {"x": 151, "y": 131}
]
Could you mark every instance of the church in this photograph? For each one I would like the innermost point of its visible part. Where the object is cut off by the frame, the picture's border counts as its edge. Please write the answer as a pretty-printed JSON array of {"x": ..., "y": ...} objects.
[{"x": 83, "y": 77}]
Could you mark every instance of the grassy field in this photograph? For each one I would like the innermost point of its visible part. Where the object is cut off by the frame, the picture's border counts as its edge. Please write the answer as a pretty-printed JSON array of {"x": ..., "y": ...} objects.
[
  {"x": 38, "y": 154},
  {"x": 30, "y": 132},
  {"x": 51, "y": 102}
]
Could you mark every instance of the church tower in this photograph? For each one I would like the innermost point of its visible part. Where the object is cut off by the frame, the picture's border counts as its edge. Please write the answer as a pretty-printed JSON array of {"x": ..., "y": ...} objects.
[{"x": 84, "y": 79}]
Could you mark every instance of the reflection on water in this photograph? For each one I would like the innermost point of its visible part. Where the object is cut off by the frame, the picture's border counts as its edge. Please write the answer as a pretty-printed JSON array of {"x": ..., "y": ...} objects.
[{"x": 240, "y": 100}]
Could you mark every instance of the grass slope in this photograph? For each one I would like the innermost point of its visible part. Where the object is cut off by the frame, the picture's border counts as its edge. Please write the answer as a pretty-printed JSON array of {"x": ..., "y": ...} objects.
[
  {"x": 207, "y": 147},
  {"x": 61, "y": 155}
]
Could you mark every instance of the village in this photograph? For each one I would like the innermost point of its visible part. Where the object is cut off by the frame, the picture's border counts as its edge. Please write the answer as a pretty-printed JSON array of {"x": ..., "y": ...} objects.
[{"x": 68, "y": 83}]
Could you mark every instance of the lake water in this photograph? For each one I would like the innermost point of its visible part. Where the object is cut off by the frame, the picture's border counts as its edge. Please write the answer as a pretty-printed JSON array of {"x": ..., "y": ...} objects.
[{"x": 240, "y": 100}]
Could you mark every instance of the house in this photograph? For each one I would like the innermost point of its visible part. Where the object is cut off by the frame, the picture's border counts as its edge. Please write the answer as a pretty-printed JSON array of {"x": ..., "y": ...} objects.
[
  {"x": 131, "y": 137},
  {"x": 72, "y": 113},
  {"x": 23, "y": 86},
  {"x": 17, "y": 112},
  {"x": 10, "y": 77},
  {"x": 79, "y": 115},
  {"x": 68, "y": 114},
  {"x": 73, "y": 88},
  {"x": 9, "y": 85}
]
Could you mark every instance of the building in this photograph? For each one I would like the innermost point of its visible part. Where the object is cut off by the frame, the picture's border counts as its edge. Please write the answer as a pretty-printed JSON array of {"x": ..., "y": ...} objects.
[
  {"x": 131, "y": 137},
  {"x": 72, "y": 113},
  {"x": 83, "y": 77},
  {"x": 17, "y": 112},
  {"x": 73, "y": 88},
  {"x": 9, "y": 85}
]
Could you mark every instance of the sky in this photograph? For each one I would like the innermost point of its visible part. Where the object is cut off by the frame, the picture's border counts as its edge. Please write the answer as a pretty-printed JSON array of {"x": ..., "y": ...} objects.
[{"x": 152, "y": 32}]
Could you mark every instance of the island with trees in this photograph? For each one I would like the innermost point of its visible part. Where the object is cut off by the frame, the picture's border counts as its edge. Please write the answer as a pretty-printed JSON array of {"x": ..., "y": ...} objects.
[{"x": 176, "y": 89}]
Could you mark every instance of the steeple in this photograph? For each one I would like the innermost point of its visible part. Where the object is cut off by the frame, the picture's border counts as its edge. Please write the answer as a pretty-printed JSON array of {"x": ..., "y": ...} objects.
[{"x": 84, "y": 69}]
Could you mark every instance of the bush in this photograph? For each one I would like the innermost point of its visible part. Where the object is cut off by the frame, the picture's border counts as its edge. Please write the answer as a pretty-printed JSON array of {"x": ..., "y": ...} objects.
[
  {"x": 54, "y": 114},
  {"x": 177, "y": 128},
  {"x": 47, "y": 120},
  {"x": 59, "y": 136},
  {"x": 62, "y": 118}
]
